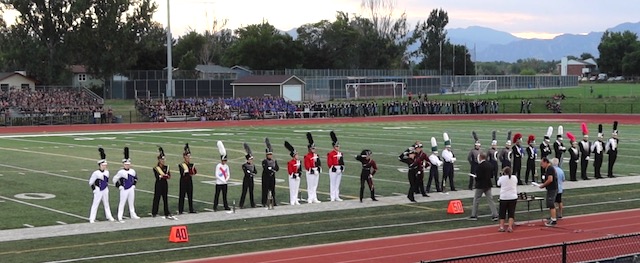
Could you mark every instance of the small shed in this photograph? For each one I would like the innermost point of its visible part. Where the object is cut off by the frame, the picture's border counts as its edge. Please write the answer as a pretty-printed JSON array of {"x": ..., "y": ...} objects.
[
  {"x": 289, "y": 87},
  {"x": 16, "y": 80}
]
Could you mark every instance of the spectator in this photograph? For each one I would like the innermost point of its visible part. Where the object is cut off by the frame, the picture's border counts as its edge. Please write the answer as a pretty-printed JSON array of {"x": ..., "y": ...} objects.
[
  {"x": 561, "y": 179},
  {"x": 551, "y": 184},
  {"x": 483, "y": 186},
  {"x": 508, "y": 198}
]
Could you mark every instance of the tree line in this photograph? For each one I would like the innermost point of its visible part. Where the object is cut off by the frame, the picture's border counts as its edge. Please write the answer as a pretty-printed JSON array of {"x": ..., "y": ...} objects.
[{"x": 112, "y": 36}]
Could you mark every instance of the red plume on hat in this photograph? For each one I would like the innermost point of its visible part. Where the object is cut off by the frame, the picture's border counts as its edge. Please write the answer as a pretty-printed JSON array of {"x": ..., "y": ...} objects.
[
  {"x": 585, "y": 130},
  {"x": 531, "y": 139},
  {"x": 571, "y": 137},
  {"x": 517, "y": 137}
]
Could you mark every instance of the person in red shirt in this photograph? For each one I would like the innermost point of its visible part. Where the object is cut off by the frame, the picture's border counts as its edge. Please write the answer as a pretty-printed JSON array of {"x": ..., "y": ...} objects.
[
  {"x": 421, "y": 161},
  {"x": 336, "y": 167},
  {"x": 312, "y": 166},
  {"x": 369, "y": 168},
  {"x": 294, "y": 168}
]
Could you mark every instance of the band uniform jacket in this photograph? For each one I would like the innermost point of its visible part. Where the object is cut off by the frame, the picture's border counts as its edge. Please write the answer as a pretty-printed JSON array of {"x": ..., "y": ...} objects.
[
  {"x": 311, "y": 162},
  {"x": 162, "y": 173},
  {"x": 585, "y": 149},
  {"x": 269, "y": 167},
  {"x": 294, "y": 168},
  {"x": 335, "y": 161},
  {"x": 249, "y": 170},
  {"x": 574, "y": 154},
  {"x": 187, "y": 170},
  {"x": 559, "y": 149},
  {"x": 516, "y": 153},
  {"x": 545, "y": 150},
  {"x": 505, "y": 157}
]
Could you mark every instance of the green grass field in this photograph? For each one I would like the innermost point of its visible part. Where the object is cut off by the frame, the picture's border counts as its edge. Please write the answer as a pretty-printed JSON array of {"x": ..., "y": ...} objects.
[{"x": 61, "y": 165}]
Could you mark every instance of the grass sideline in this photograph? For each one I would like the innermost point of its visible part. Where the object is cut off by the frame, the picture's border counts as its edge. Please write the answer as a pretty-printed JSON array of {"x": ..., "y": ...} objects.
[{"x": 61, "y": 165}]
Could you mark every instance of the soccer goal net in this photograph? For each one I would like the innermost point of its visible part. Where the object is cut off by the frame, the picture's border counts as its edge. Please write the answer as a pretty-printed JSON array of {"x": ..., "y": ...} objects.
[
  {"x": 478, "y": 87},
  {"x": 375, "y": 90}
]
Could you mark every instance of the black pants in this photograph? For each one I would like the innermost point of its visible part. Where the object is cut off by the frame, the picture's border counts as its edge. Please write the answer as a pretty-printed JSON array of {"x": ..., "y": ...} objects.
[
  {"x": 597, "y": 165},
  {"x": 220, "y": 188},
  {"x": 412, "y": 184},
  {"x": 583, "y": 168},
  {"x": 434, "y": 176},
  {"x": 268, "y": 184},
  {"x": 161, "y": 190},
  {"x": 495, "y": 172},
  {"x": 247, "y": 184},
  {"x": 573, "y": 169},
  {"x": 474, "y": 168},
  {"x": 447, "y": 173},
  {"x": 612, "y": 160},
  {"x": 531, "y": 169},
  {"x": 186, "y": 188},
  {"x": 420, "y": 183},
  {"x": 517, "y": 169},
  {"x": 364, "y": 177},
  {"x": 507, "y": 207}
]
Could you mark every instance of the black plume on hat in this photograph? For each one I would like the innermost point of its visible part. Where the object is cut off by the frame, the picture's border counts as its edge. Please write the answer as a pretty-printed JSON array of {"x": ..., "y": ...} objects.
[
  {"x": 334, "y": 139},
  {"x": 161, "y": 155},
  {"x": 268, "y": 150},
  {"x": 310, "y": 139},
  {"x": 289, "y": 147},
  {"x": 248, "y": 150},
  {"x": 126, "y": 159},
  {"x": 187, "y": 150},
  {"x": 615, "y": 128},
  {"x": 103, "y": 156},
  {"x": 475, "y": 137}
]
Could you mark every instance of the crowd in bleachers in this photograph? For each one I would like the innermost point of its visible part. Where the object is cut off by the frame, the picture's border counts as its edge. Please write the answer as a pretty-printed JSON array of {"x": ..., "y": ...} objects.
[
  {"x": 213, "y": 108},
  {"x": 47, "y": 102}
]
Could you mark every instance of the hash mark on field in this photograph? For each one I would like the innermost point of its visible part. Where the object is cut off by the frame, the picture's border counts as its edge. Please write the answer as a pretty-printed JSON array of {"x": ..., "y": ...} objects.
[
  {"x": 60, "y": 222},
  {"x": 398, "y": 194},
  {"x": 208, "y": 209},
  {"x": 20, "y": 173},
  {"x": 27, "y": 225},
  {"x": 85, "y": 170},
  {"x": 64, "y": 171}
]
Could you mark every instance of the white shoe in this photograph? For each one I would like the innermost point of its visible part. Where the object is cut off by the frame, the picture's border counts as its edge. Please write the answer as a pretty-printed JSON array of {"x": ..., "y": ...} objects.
[
  {"x": 310, "y": 201},
  {"x": 135, "y": 217},
  {"x": 120, "y": 220},
  {"x": 317, "y": 201},
  {"x": 111, "y": 219},
  {"x": 297, "y": 203},
  {"x": 293, "y": 203},
  {"x": 91, "y": 221},
  {"x": 339, "y": 200}
]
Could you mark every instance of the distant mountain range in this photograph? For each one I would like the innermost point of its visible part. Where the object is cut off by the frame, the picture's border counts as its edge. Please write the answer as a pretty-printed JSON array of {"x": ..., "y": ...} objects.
[{"x": 495, "y": 45}]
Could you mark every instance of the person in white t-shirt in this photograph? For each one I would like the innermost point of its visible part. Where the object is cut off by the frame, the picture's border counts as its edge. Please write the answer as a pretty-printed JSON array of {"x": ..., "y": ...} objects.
[{"x": 508, "y": 198}]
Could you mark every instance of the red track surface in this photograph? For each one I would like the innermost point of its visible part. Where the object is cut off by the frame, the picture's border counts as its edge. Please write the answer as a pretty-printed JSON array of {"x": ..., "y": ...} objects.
[
  {"x": 456, "y": 243},
  {"x": 428, "y": 246}
]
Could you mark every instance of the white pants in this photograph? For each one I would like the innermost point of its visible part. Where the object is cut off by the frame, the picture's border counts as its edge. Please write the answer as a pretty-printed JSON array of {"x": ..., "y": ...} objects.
[
  {"x": 294, "y": 185},
  {"x": 312, "y": 186},
  {"x": 127, "y": 195},
  {"x": 334, "y": 184},
  {"x": 97, "y": 197}
]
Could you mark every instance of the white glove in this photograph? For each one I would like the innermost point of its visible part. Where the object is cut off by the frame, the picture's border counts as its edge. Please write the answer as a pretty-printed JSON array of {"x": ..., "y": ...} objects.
[
  {"x": 269, "y": 168},
  {"x": 121, "y": 187},
  {"x": 587, "y": 158},
  {"x": 453, "y": 160}
]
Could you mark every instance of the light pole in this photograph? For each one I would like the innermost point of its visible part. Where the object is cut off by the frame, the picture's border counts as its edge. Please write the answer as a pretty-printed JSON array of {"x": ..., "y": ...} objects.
[{"x": 170, "y": 91}]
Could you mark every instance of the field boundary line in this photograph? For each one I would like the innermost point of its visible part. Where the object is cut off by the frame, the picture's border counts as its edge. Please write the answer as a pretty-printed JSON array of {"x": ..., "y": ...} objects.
[{"x": 44, "y": 207}]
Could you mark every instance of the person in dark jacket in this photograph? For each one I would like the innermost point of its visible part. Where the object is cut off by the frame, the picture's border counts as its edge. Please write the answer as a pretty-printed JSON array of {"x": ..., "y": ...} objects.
[{"x": 483, "y": 185}]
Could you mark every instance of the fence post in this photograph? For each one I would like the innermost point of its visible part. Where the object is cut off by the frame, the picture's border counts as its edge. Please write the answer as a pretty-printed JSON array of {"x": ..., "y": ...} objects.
[{"x": 564, "y": 252}]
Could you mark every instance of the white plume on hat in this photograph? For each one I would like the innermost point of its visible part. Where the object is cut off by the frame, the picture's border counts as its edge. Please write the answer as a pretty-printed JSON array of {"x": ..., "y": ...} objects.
[
  {"x": 222, "y": 150},
  {"x": 447, "y": 140},
  {"x": 434, "y": 145},
  {"x": 560, "y": 132},
  {"x": 549, "y": 133}
]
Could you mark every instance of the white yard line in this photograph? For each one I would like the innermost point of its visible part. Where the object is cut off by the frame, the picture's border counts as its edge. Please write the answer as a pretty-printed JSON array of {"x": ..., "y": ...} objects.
[
  {"x": 43, "y": 207},
  {"x": 100, "y": 133}
]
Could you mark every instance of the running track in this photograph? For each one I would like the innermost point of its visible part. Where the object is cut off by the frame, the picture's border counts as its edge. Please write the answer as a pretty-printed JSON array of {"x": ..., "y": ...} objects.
[{"x": 470, "y": 241}]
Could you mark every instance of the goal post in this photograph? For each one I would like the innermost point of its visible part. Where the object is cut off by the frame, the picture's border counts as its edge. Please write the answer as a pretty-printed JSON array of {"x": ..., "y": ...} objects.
[
  {"x": 387, "y": 89},
  {"x": 478, "y": 87}
]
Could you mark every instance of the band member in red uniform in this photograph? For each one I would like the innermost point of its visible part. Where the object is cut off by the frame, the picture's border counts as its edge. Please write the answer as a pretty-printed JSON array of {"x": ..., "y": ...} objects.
[
  {"x": 294, "y": 169},
  {"x": 336, "y": 167},
  {"x": 312, "y": 165},
  {"x": 421, "y": 161},
  {"x": 187, "y": 172},
  {"x": 408, "y": 157},
  {"x": 369, "y": 168}
]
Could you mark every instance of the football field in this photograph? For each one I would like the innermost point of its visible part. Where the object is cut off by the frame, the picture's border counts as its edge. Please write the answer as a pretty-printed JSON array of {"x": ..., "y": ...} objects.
[{"x": 44, "y": 177}]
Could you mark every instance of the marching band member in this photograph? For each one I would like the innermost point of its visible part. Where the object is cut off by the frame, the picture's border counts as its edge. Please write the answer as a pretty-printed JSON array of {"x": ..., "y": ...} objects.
[
  {"x": 313, "y": 166},
  {"x": 99, "y": 182},
  {"x": 585, "y": 151},
  {"x": 126, "y": 180},
  {"x": 408, "y": 157},
  {"x": 531, "y": 160},
  {"x": 421, "y": 161},
  {"x": 612, "y": 150},
  {"x": 369, "y": 168},
  {"x": 447, "y": 167},
  {"x": 187, "y": 171},
  {"x": 492, "y": 156},
  {"x": 249, "y": 170},
  {"x": 223, "y": 174},
  {"x": 505, "y": 153},
  {"x": 269, "y": 169},
  {"x": 162, "y": 174},
  {"x": 294, "y": 168},
  {"x": 473, "y": 160},
  {"x": 558, "y": 146},
  {"x": 574, "y": 154},
  {"x": 336, "y": 167},
  {"x": 434, "y": 162},
  {"x": 597, "y": 148},
  {"x": 516, "y": 156},
  {"x": 545, "y": 148}
]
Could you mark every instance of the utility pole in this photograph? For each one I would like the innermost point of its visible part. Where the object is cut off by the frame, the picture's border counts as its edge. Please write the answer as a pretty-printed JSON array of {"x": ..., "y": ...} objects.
[{"x": 170, "y": 91}]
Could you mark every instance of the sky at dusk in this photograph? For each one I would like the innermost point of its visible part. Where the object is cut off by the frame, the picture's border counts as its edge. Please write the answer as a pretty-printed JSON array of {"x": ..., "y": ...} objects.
[{"x": 527, "y": 19}]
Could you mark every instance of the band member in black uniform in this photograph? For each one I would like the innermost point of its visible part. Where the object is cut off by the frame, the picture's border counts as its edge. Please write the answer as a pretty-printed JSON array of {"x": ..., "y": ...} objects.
[
  {"x": 574, "y": 158},
  {"x": 421, "y": 161},
  {"x": 162, "y": 174},
  {"x": 269, "y": 169},
  {"x": 531, "y": 160},
  {"x": 585, "y": 152},
  {"x": 369, "y": 168},
  {"x": 472, "y": 158},
  {"x": 505, "y": 153},
  {"x": 516, "y": 156},
  {"x": 558, "y": 146},
  {"x": 447, "y": 167},
  {"x": 597, "y": 148},
  {"x": 187, "y": 171},
  {"x": 545, "y": 147},
  {"x": 612, "y": 150},
  {"x": 249, "y": 170},
  {"x": 408, "y": 157},
  {"x": 492, "y": 156}
]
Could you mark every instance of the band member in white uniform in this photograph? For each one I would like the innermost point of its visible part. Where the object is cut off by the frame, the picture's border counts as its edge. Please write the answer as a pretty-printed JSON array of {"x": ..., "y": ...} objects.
[
  {"x": 99, "y": 183},
  {"x": 126, "y": 180}
]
